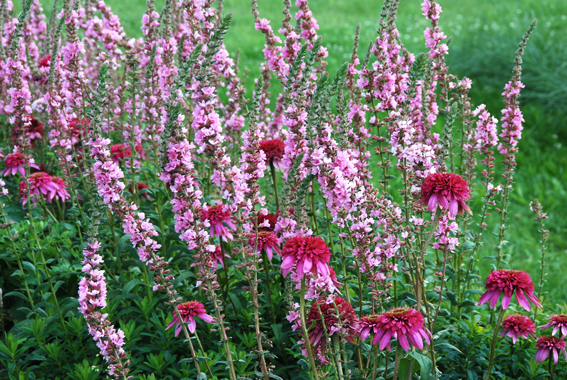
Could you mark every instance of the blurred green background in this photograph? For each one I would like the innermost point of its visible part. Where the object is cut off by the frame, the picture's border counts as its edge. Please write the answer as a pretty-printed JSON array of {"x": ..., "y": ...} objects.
[{"x": 485, "y": 36}]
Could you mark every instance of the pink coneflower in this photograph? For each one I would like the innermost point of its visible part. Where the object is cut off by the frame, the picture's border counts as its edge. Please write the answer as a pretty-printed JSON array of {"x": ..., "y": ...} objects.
[
  {"x": 518, "y": 326},
  {"x": 448, "y": 190},
  {"x": 345, "y": 320},
  {"x": 61, "y": 192},
  {"x": 139, "y": 187},
  {"x": 402, "y": 323},
  {"x": 334, "y": 279},
  {"x": 40, "y": 183},
  {"x": 188, "y": 311},
  {"x": 78, "y": 129},
  {"x": 559, "y": 323},
  {"x": 271, "y": 220},
  {"x": 267, "y": 241},
  {"x": 15, "y": 163},
  {"x": 368, "y": 324},
  {"x": 217, "y": 215},
  {"x": 509, "y": 281},
  {"x": 308, "y": 254},
  {"x": 274, "y": 150},
  {"x": 31, "y": 128},
  {"x": 45, "y": 61},
  {"x": 547, "y": 344},
  {"x": 219, "y": 255},
  {"x": 120, "y": 152}
]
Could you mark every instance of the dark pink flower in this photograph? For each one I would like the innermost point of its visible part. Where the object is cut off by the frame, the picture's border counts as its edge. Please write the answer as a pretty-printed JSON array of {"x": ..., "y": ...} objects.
[
  {"x": 547, "y": 344},
  {"x": 218, "y": 217},
  {"x": 40, "y": 183},
  {"x": 368, "y": 324},
  {"x": 45, "y": 61},
  {"x": 559, "y": 323},
  {"x": 308, "y": 254},
  {"x": 274, "y": 151},
  {"x": 15, "y": 163},
  {"x": 402, "y": 323},
  {"x": 448, "y": 190},
  {"x": 518, "y": 326},
  {"x": 218, "y": 255},
  {"x": 509, "y": 281},
  {"x": 119, "y": 152},
  {"x": 61, "y": 192},
  {"x": 267, "y": 241},
  {"x": 338, "y": 316},
  {"x": 188, "y": 311},
  {"x": 271, "y": 220},
  {"x": 334, "y": 278}
]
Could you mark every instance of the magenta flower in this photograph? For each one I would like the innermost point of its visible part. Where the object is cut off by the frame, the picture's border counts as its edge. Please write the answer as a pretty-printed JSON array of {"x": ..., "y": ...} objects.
[
  {"x": 267, "y": 241},
  {"x": 559, "y": 323},
  {"x": 40, "y": 183},
  {"x": 402, "y": 323},
  {"x": 509, "y": 281},
  {"x": 61, "y": 192},
  {"x": 188, "y": 311},
  {"x": 274, "y": 151},
  {"x": 218, "y": 217},
  {"x": 368, "y": 324},
  {"x": 218, "y": 255},
  {"x": 15, "y": 164},
  {"x": 448, "y": 190},
  {"x": 518, "y": 326},
  {"x": 308, "y": 254},
  {"x": 268, "y": 222},
  {"x": 547, "y": 344},
  {"x": 345, "y": 320}
]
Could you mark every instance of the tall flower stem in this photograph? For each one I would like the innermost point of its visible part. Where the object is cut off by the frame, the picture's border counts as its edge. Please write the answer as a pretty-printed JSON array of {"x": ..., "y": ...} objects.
[
  {"x": 397, "y": 361},
  {"x": 419, "y": 281},
  {"x": 275, "y": 184},
  {"x": 493, "y": 347},
  {"x": 267, "y": 270},
  {"x": 313, "y": 369},
  {"x": 188, "y": 339}
]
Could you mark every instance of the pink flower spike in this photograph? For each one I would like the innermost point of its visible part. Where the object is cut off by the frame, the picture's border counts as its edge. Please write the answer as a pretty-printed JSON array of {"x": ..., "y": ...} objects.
[
  {"x": 509, "y": 281},
  {"x": 188, "y": 311},
  {"x": 559, "y": 324},
  {"x": 549, "y": 344},
  {"x": 448, "y": 190},
  {"x": 518, "y": 326}
]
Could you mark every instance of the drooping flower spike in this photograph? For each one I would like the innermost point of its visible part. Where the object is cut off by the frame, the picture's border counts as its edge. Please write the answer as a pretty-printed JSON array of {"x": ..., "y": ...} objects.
[
  {"x": 447, "y": 190},
  {"x": 308, "y": 254},
  {"x": 267, "y": 241},
  {"x": 549, "y": 344},
  {"x": 518, "y": 326},
  {"x": 218, "y": 217},
  {"x": 15, "y": 163},
  {"x": 401, "y": 323},
  {"x": 344, "y": 321},
  {"x": 559, "y": 324},
  {"x": 509, "y": 282},
  {"x": 188, "y": 311}
]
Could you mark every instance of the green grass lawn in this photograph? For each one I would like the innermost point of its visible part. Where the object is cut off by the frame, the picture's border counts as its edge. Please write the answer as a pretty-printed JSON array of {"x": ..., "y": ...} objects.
[{"x": 485, "y": 36}]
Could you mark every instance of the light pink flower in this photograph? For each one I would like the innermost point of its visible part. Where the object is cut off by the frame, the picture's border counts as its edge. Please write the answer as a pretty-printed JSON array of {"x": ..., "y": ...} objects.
[{"x": 188, "y": 311}]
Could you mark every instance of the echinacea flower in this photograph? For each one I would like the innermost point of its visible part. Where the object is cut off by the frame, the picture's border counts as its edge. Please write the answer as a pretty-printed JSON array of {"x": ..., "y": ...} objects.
[
  {"x": 139, "y": 187},
  {"x": 547, "y": 344},
  {"x": 31, "y": 128},
  {"x": 188, "y": 311},
  {"x": 339, "y": 316},
  {"x": 267, "y": 222},
  {"x": 219, "y": 254},
  {"x": 218, "y": 217},
  {"x": 308, "y": 254},
  {"x": 448, "y": 190},
  {"x": 266, "y": 241},
  {"x": 509, "y": 281},
  {"x": 119, "y": 152},
  {"x": 15, "y": 163},
  {"x": 518, "y": 326},
  {"x": 78, "y": 130},
  {"x": 368, "y": 324},
  {"x": 62, "y": 194},
  {"x": 403, "y": 324},
  {"x": 45, "y": 61},
  {"x": 559, "y": 323},
  {"x": 40, "y": 183},
  {"x": 274, "y": 151}
]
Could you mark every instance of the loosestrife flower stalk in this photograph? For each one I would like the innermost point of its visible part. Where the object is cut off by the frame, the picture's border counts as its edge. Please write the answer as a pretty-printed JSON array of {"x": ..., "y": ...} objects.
[{"x": 540, "y": 216}]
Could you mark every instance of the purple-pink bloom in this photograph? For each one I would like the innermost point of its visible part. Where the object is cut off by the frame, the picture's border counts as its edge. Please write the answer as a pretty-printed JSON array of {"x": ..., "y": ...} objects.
[
  {"x": 547, "y": 344},
  {"x": 308, "y": 254},
  {"x": 559, "y": 323},
  {"x": 448, "y": 190},
  {"x": 218, "y": 216},
  {"x": 267, "y": 241},
  {"x": 518, "y": 326},
  {"x": 402, "y": 323},
  {"x": 40, "y": 183},
  {"x": 15, "y": 164},
  {"x": 188, "y": 311},
  {"x": 509, "y": 281}
]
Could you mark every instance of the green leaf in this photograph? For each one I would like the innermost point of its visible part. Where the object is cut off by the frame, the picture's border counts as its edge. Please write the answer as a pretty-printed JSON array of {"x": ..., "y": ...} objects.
[
  {"x": 130, "y": 286},
  {"x": 425, "y": 364}
]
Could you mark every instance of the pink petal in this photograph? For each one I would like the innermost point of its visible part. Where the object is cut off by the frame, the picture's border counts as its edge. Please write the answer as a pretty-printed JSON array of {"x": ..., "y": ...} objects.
[
  {"x": 494, "y": 298},
  {"x": 531, "y": 296},
  {"x": 541, "y": 355},
  {"x": 432, "y": 205},
  {"x": 404, "y": 342},
  {"x": 506, "y": 301},
  {"x": 191, "y": 324},
  {"x": 207, "y": 318},
  {"x": 385, "y": 339},
  {"x": 522, "y": 300},
  {"x": 454, "y": 207},
  {"x": 364, "y": 333},
  {"x": 485, "y": 297},
  {"x": 307, "y": 265},
  {"x": 555, "y": 355}
]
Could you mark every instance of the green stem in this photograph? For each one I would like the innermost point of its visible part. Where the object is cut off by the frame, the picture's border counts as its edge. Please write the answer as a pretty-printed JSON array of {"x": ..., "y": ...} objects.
[
  {"x": 275, "y": 184},
  {"x": 493, "y": 346},
  {"x": 307, "y": 343}
]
